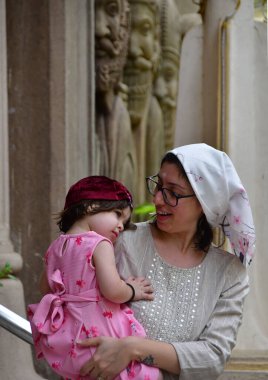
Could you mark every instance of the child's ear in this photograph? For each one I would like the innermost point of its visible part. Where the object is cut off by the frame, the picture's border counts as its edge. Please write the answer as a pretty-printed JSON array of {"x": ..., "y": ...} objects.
[{"x": 89, "y": 209}]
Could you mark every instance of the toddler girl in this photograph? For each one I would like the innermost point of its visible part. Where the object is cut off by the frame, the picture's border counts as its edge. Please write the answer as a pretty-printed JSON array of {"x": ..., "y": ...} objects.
[{"x": 85, "y": 295}]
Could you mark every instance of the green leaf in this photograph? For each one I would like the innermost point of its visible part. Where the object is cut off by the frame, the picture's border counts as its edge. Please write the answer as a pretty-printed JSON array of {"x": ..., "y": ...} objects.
[
  {"x": 144, "y": 209},
  {"x": 6, "y": 271}
]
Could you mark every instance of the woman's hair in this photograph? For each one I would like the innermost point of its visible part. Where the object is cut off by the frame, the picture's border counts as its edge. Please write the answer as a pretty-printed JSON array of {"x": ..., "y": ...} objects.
[
  {"x": 67, "y": 217},
  {"x": 204, "y": 233}
]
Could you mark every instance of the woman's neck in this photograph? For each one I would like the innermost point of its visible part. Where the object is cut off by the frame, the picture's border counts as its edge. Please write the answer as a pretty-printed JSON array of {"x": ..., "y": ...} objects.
[{"x": 177, "y": 249}]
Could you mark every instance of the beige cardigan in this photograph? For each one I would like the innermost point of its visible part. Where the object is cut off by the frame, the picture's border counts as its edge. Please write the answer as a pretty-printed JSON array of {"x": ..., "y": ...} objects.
[{"x": 198, "y": 310}]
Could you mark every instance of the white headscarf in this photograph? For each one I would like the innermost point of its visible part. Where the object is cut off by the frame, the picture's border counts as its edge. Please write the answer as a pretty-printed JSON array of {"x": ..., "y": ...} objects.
[{"x": 221, "y": 195}]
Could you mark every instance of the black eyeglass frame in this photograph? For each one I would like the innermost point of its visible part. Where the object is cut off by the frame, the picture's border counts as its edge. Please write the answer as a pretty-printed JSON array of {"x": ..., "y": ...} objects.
[{"x": 163, "y": 189}]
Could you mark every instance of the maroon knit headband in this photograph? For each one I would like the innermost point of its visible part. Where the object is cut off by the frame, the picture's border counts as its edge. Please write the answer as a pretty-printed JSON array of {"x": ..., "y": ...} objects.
[{"x": 98, "y": 188}]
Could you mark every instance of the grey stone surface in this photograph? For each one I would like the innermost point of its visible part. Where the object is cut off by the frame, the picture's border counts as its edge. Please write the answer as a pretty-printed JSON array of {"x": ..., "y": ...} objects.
[{"x": 244, "y": 375}]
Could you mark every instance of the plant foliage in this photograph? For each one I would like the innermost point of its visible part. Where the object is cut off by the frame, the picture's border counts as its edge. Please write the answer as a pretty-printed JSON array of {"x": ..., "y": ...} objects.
[
  {"x": 144, "y": 211},
  {"x": 6, "y": 272}
]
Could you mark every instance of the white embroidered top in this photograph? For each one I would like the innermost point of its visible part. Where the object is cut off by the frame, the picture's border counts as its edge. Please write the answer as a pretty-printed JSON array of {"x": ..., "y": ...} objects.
[{"x": 198, "y": 310}]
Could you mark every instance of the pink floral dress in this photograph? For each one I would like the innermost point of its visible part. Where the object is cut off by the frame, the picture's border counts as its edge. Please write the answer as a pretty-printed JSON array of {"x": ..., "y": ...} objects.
[{"x": 76, "y": 310}]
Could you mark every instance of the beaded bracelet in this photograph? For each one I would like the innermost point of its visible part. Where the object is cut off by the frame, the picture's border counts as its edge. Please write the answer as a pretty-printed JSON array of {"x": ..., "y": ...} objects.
[{"x": 133, "y": 292}]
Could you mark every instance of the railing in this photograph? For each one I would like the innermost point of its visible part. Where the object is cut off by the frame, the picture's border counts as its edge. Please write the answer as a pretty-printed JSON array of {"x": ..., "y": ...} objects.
[{"x": 15, "y": 324}]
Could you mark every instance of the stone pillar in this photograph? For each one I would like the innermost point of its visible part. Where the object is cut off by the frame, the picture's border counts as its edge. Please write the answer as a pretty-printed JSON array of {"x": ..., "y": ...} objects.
[
  {"x": 50, "y": 119},
  {"x": 215, "y": 13},
  {"x": 246, "y": 141},
  {"x": 72, "y": 96},
  {"x": 6, "y": 249},
  {"x": 234, "y": 112},
  {"x": 198, "y": 79},
  {"x": 189, "y": 115},
  {"x": 11, "y": 291},
  {"x": 189, "y": 119}
]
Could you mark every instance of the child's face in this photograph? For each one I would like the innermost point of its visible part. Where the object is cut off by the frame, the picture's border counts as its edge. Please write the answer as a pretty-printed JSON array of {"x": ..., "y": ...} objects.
[{"x": 109, "y": 223}]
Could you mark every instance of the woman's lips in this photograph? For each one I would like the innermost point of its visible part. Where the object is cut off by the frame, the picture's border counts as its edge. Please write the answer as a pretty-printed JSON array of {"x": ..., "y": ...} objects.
[{"x": 162, "y": 215}]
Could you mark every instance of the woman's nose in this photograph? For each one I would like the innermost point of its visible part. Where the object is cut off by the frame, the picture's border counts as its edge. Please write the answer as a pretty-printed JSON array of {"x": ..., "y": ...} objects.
[{"x": 158, "y": 198}]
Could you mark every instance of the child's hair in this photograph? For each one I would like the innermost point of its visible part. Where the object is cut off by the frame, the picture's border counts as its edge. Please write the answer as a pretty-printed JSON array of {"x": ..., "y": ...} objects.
[
  {"x": 91, "y": 195},
  {"x": 67, "y": 217}
]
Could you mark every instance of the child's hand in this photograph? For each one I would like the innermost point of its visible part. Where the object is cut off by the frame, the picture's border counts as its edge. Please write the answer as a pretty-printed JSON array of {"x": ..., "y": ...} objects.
[{"x": 143, "y": 288}]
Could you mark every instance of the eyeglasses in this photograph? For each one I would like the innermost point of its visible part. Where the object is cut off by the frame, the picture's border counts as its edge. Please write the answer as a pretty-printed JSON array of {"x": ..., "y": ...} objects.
[{"x": 170, "y": 197}]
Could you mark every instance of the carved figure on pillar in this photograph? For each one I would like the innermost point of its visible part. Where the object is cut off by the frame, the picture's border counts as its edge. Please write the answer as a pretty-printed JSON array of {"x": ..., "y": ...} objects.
[
  {"x": 139, "y": 72},
  {"x": 166, "y": 83},
  {"x": 115, "y": 153}
]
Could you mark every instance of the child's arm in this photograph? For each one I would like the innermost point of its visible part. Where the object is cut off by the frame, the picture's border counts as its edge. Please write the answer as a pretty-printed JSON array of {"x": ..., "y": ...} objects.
[{"x": 111, "y": 285}]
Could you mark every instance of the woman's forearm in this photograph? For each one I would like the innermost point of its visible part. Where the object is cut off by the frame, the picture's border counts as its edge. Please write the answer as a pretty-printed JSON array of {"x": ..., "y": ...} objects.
[
  {"x": 153, "y": 353},
  {"x": 113, "y": 355}
]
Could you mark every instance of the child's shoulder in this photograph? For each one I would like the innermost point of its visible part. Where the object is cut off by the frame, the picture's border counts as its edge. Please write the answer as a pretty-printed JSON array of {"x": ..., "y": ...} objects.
[{"x": 87, "y": 237}]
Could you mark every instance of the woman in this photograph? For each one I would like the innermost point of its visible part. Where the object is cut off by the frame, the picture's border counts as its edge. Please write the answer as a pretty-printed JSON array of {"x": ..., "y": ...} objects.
[{"x": 199, "y": 289}]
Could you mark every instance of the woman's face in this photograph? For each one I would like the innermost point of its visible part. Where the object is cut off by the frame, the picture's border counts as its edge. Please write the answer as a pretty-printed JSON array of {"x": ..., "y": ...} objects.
[{"x": 184, "y": 217}]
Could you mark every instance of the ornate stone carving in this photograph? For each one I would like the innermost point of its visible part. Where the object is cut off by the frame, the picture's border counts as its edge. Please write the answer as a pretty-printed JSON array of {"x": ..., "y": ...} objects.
[
  {"x": 116, "y": 153},
  {"x": 142, "y": 60},
  {"x": 166, "y": 83}
]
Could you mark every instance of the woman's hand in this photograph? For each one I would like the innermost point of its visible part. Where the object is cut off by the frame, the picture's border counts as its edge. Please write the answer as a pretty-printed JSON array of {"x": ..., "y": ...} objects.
[
  {"x": 111, "y": 357},
  {"x": 143, "y": 288}
]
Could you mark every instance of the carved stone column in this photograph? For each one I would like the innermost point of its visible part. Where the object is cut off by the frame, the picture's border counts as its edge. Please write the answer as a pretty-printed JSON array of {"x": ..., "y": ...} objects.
[
  {"x": 139, "y": 71},
  {"x": 11, "y": 291},
  {"x": 166, "y": 81}
]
